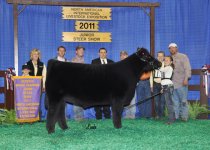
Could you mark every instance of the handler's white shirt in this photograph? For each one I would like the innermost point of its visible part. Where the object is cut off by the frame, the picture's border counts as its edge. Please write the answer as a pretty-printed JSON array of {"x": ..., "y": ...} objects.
[
  {"x": 105, "y": 60},
  {"x": 168, "y": 71},
  {"x": 61, "y": 59}
]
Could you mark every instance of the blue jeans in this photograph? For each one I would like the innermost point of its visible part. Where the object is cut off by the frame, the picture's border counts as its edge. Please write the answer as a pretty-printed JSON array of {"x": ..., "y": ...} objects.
[
  {"x": 159, "y": 100},
  {"x": 69, "y": 111},
  {"x": 130, "y": 113},
  {"x": 143, "y": 91},
  {"x": 180, "y": 102},
  {"x": 74, "y": 112},
  {"x": 78, "y": 112},
  {"x": 168, "y": 96}
]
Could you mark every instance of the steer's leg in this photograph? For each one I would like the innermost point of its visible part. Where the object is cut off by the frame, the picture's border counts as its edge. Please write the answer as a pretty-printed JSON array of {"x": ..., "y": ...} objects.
[
  {"x": 117, "y": 109},
  {"x": 61, "y": 116},
  {"x": 51, "y": 114}
]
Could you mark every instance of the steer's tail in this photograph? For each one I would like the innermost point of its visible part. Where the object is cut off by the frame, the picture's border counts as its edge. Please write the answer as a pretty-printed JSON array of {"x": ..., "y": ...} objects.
[{"x": 50, "y": 65}]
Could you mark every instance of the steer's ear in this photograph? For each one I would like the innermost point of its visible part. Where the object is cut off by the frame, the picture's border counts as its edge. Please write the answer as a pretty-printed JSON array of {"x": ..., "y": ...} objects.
[{"x": 142, "y": 50}]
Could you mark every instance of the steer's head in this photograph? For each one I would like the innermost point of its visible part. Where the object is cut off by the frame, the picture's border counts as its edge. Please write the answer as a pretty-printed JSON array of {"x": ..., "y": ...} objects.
[{"x": 151, "y": 63}]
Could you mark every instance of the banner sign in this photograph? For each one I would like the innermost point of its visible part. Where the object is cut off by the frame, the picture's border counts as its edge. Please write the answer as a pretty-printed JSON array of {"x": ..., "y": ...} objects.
[
  {"x": 86, "y": 13},
  {"x": 86, "y": 37},
  {"x": 27, "y": 91},
  {"x": 86, "y": 25}
]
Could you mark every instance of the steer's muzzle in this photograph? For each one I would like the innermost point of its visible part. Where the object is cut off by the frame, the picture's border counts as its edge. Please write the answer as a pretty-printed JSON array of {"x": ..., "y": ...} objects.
[{"x": 155, "y": 64}]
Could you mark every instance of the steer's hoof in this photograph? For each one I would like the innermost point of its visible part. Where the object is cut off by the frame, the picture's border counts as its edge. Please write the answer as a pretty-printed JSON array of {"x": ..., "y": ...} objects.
[
  {"x": 50, "y": 131},
  {"x": 118, "y": 126},
  {"x": 65, "y": 128}
]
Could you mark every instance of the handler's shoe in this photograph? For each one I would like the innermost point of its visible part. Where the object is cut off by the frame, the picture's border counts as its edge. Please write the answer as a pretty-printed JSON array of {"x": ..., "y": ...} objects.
[
  {"x": 130, "y": 117},
  {"x": 169, "y": 122},
  {"x": 161, "y": 118},
  {"x": 79, "y": 119},
  {"x": 157, "y": 118},
  {"x": 184, "y": 119}
]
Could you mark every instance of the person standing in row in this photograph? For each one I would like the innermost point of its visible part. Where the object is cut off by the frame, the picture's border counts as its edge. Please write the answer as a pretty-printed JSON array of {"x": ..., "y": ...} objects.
[
  {"x": 37, "y": 68},
  {"x": 102, "y": 60},
  {"x": 181, "y": 75},
  {"x": 130, "y": 113},
  {"x": 168, "y": 87},
  {"x": 79, "y": 58},
  {"x": 61, "y": 51},
  {"x": 155, "y": 83}
]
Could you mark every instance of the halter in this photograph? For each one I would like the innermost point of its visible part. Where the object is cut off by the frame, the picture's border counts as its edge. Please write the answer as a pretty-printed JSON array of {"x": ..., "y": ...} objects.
[{"x": 151, "y": 63}]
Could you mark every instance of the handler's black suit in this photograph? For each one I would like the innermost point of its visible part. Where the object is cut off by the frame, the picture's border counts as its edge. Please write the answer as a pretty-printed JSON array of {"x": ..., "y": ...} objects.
[{"x": 102, "y": 109}]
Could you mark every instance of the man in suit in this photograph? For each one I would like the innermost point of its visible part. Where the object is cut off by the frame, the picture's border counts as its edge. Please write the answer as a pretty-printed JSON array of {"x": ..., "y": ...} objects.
[{"x": 102, "y": 60}]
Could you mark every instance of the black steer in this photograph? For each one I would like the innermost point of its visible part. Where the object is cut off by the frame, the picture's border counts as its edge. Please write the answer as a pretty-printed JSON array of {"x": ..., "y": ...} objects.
[{"x": 88, "y": 85}]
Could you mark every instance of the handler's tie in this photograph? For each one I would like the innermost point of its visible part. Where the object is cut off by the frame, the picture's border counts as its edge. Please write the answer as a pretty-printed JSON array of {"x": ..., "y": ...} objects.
[{"x": 103, "y": 61}]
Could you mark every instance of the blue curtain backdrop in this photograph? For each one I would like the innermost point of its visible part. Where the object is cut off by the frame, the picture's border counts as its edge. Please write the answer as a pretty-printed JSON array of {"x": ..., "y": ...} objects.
[{"x": 186, "y": 23}]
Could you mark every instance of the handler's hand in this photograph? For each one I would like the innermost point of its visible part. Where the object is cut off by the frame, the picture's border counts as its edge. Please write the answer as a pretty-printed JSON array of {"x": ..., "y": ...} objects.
[
  {"x": 185, "y": 82},
  {"x": 43, "y": 89},
  {"x": 151, "y": 89}
]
